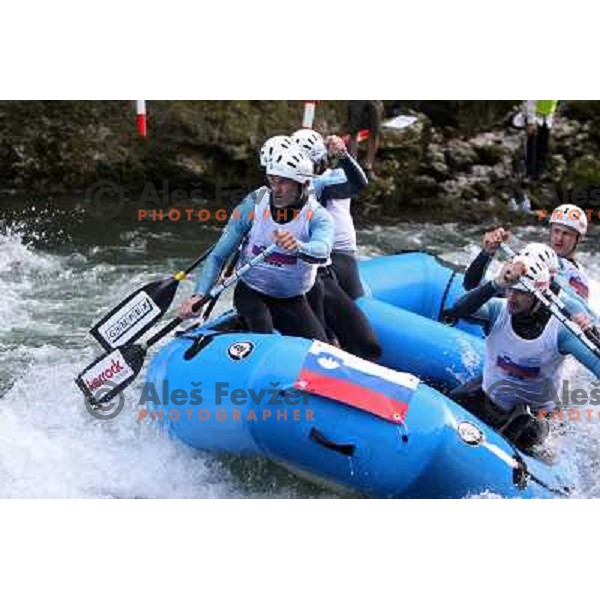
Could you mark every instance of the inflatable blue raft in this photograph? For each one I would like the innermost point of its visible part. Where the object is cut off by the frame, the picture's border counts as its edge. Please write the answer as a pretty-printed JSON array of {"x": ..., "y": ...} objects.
[{"x": 378, "y": 430}]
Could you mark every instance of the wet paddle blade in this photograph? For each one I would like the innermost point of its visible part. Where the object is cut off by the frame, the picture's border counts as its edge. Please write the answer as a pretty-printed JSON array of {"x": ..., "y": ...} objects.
[
  {"x": 139, "y": 311},
  {"x": 135, "y": 315},
  {"x": 110, "y": 374}
]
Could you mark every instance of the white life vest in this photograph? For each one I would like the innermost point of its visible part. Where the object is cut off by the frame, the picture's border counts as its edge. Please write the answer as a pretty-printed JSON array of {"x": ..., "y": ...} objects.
[
  {"x": 282, "y": 274},
  {"x": 521, "y": 371},
  {"x": 345, "y": 233},
  {"x": 575, "y": 277}
]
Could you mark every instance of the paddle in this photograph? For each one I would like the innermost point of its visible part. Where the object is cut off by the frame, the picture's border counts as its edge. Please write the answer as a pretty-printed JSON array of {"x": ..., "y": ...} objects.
[
  {"x": 227, "y": 273},
  {"x": 557, "y": 307},
  {"x": 563, "y": 284},
  {"x": 130, "y": 319},
  {"x": 111, "y": 373}
]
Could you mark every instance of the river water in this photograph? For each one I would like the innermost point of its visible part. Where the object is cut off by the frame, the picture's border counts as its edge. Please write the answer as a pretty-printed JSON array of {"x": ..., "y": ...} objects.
[{"x": 61, "y": 269}]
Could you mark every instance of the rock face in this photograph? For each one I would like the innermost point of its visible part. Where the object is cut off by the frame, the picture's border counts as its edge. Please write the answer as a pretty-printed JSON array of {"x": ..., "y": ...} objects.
[
  {"x": 463, "y": 163},
  {"x": 458, "y": 155}
]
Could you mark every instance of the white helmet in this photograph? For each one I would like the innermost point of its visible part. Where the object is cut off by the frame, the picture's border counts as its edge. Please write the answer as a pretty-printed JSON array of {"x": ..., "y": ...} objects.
[
  {"x": 537, "y": 272},
  {"x": 291, "y": 164},
  {"x": 545, "y": 254},
  {"x": 570, "y": 216},
  {"x": 311, "y": 143},
  {"x": 274, "y": 144}
]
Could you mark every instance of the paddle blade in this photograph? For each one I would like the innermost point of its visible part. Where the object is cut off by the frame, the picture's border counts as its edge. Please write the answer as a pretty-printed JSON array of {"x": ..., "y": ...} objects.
[
  {"x": 135, "y": 315},
  {"x": 110, "y": 374}
]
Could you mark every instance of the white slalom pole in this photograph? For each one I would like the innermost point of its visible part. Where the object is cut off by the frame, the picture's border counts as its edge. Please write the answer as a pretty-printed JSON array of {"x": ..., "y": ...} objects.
[
  {"x": 140, "y": 106},
  {"x": 309, "y": 114}
]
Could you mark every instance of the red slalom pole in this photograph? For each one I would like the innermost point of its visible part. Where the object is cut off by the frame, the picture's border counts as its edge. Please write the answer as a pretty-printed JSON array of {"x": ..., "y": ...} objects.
[{"x": 141, "y": 117}]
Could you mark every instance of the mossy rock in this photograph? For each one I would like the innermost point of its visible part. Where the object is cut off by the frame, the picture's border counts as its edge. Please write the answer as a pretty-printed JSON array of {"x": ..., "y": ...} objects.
[
  {"x": 582, "y": 110},
  {"x": 63, "y": 147},
  {"x": 490, "y": 154},
  {"x": 584, "y": 172},
  {"x": 466, "y": 116}
]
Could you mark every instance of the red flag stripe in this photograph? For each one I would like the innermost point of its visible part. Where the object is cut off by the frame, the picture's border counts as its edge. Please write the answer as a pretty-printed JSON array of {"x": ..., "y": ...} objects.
[{"x": 353, "y": 395}]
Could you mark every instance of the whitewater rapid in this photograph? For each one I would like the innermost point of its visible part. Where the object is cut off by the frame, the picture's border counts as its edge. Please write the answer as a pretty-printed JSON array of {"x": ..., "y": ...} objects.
[{"x": 51, "y": 447}]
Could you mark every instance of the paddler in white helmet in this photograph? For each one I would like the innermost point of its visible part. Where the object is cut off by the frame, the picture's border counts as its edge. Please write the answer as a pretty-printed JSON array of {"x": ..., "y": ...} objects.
[
  {"x": 334, "y": 188},
  {"x": 338, "y": 283},
  {"x": 568, "y": 226},
  {"x": 272, "y": 295},
  {"x": 524, "y": 352}
]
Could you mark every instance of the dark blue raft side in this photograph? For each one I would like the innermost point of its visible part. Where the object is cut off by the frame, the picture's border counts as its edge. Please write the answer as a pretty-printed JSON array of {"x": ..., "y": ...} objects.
[{"x": 438, "y": 451}]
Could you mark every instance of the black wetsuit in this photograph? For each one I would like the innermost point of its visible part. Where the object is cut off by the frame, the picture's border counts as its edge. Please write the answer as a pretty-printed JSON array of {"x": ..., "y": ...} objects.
[
  {"x": 537, "y": 151},
  {"x": 338, "y": 285},
  {"x": 345, "y": 268},
  {"x": 476, "y": 270},
  {"x": 342, "y": 317},
  {"x": 290, "y": 316},
  {"x": 525, "y": 430},
  {"x": 344, "y": 261}
]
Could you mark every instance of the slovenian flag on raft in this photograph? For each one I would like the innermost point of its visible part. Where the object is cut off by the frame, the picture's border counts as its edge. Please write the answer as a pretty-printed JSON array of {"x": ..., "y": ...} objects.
[{"x": 332, "y": 373}]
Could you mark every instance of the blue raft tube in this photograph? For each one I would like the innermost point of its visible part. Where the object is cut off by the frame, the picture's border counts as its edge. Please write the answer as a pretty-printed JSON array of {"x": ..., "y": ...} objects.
[{"x": 375, "y": 430}]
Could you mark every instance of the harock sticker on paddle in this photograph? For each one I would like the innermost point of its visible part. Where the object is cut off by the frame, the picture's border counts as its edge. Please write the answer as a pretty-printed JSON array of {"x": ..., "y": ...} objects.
[{"x": 110, "y": 372}]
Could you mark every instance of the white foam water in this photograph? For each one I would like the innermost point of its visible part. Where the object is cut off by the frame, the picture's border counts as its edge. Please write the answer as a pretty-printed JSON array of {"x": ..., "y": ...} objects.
[{"x": 50, "y": 446}]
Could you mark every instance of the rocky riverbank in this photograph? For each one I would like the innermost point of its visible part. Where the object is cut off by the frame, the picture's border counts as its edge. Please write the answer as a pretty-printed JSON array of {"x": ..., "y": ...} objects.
[{"x": 459, "y": 161}]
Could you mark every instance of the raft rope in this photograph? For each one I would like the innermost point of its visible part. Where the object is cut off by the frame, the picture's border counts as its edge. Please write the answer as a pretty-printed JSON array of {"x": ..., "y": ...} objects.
[
  {"x": 441, "y": 318},
  {"x": 404, "y": 434}
]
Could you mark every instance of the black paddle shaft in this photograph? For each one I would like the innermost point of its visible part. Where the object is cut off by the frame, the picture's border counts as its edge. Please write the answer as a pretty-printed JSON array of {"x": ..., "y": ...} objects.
[
  {"x": 131, "y": 318},
  {"x": 108, "y": 371},
  {"x": 227, "y": 273},
  {"x": 174, "y": 323},
  {"x": 198, "y": 260}
]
